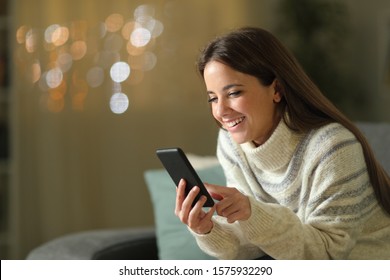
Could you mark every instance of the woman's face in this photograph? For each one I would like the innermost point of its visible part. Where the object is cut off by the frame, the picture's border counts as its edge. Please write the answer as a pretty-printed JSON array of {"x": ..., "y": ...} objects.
[{"x": 241, "y": 104}]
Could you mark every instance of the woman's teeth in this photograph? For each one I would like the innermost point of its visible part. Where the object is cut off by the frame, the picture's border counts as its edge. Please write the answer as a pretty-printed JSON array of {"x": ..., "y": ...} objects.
[{"x": 235, "y": 122}]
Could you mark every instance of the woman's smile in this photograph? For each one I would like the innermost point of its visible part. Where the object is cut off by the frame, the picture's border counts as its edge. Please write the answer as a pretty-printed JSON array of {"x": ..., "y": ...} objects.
[{"x": 229, "y": 124}]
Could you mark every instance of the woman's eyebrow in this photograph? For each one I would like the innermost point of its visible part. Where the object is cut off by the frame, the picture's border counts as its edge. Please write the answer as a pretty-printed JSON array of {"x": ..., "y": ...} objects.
[{"x": 227, "y": 87}]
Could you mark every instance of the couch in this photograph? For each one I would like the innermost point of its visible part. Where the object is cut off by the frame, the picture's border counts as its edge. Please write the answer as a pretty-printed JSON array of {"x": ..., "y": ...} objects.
[{"x": 168, "y": 238}]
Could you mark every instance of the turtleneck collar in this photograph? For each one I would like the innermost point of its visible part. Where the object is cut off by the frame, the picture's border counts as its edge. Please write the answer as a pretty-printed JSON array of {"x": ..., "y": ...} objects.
[{"x": 276, "y": 152}]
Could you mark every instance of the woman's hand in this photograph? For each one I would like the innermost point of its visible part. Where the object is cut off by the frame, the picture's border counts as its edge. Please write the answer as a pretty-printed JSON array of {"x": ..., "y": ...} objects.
[
  {"x": 194, "y": 217},
  {"x": 233, "y": 205}
]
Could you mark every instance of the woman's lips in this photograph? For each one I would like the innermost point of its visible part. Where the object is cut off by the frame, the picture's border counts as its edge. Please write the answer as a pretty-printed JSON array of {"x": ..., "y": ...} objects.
[{"x": 233, "y": 123}]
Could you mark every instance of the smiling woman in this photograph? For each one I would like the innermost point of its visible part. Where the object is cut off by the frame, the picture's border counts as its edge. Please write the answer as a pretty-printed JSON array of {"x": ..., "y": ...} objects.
[{"x": 302, "y": 181}]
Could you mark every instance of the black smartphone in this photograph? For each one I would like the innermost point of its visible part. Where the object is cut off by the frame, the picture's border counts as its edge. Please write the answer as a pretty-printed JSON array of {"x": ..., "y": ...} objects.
[{"x": 179, "y": 167}]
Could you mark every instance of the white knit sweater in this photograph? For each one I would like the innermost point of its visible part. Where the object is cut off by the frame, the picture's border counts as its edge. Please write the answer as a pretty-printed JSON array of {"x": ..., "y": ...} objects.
[{"x": 310, "y": 198}]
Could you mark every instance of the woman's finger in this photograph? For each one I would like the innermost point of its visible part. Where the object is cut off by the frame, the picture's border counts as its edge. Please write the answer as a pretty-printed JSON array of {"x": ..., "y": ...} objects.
[
  {"x": 180, "y": 196},
  {"x": 187, "y": 204}
]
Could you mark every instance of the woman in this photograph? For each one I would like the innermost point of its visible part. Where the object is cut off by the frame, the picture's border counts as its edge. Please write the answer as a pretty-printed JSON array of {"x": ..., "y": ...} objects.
[{"x": 302, "y": 181}]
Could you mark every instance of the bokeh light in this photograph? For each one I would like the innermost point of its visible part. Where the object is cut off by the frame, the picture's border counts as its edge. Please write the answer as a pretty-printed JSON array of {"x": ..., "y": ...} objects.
[
  {"x": 35, "y": 71},
  {"x": 114, "y": 22},
  {"x": 60, "y": 36},
  {"x": 119, "y": 103},
  {"x": 64, "y": 62},
  {"x": 140, "y": 37},
  {"x": 54, "y": 77},
  {"x": 120, "y": 71},
  {"x": 144, "y": 11},
  {"x": 21, "y": 34},
  {"x": 49, "y": 32},
  {"x": 31, "y": 40},
  {"x": 78, "y": 50}
]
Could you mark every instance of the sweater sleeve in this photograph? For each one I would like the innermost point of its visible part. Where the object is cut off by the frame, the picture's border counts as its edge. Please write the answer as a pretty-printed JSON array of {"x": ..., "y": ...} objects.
[{"x": 226, "y": 241}]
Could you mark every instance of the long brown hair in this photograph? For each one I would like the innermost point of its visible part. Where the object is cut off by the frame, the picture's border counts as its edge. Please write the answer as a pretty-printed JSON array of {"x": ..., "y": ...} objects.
[{"x": 256, "y": 52}]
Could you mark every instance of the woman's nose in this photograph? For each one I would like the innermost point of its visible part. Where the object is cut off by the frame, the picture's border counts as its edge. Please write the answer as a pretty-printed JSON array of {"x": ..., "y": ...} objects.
[{"x": 221, "y": 108}]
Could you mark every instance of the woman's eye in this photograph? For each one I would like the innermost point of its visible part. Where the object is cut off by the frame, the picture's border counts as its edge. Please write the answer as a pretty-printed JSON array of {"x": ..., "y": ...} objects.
[
  {"x": 234, "y": 93},
  {"x": 212, "y": 99}
]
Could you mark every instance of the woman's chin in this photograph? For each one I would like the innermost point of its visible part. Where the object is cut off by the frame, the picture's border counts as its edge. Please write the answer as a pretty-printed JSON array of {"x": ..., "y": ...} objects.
[{"x": 239, "y": 139}]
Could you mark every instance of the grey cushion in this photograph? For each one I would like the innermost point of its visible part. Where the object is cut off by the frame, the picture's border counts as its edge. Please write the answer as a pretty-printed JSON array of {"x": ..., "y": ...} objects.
[
  {"x": 99, "y": 244},
  {"x": 378, "y": 136}
]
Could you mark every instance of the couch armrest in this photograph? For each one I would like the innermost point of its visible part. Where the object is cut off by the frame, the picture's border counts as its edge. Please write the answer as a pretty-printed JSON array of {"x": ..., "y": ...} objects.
[{"x": 132, "y": 243}]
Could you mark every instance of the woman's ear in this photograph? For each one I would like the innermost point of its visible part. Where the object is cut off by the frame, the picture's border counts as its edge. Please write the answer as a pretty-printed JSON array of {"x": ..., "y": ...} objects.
[{"x": 277, "y": 91}]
